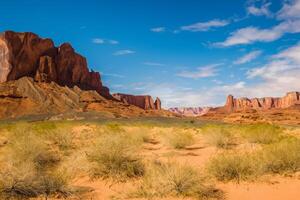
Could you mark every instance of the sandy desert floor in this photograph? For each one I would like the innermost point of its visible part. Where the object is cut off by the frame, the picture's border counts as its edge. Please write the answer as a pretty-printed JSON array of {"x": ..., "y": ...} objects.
[{"x": 264, "y": 174}]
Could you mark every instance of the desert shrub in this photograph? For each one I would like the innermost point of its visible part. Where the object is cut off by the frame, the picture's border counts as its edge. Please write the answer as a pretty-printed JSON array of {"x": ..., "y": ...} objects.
[
  {"x": 179, "y": 139},
  {"x": 31, "y": 169},
  {"x": 262, "y": 133},
  {"x": 171, "y": 179},
  {"x": 218, "y": 136},
  {"x": 281, "y": 157},
  {"x": 227, "y": 167},
  {"x": 61, "y": 137},
  {"x": 113, "y": 127},
  {"x": 114, "y": 156}
]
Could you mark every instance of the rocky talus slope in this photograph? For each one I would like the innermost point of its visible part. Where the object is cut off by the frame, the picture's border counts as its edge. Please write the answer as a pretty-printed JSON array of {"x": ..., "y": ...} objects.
[{"x": 25, "y": 97}]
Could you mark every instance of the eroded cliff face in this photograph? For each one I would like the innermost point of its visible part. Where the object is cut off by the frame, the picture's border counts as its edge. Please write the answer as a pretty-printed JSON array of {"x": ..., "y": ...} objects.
[
  {"x": 143, "y": 101},
  {"x": 190, "y": 111},
  {"x": 26, "y": 54},
  {"x": 289, "y": 100}
]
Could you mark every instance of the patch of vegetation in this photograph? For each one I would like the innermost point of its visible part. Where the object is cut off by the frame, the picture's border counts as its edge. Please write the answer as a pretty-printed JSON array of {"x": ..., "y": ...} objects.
[
  {"x": 31, "y": 169},
  {"x": 179, "y": 139},
  {"x": 277, "y": 158},
  {"x": 219, "y": 136},
  {"x": 281, "y": 157},
  {"x": 114, "y": 156},
  {"x": 171, "y": 179},
  {"x": 262, "y": 133}
]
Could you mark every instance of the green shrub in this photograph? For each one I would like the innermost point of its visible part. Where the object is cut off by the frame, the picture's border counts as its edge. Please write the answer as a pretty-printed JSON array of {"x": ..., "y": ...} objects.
[
  {"x": 262, "y": 133},
  {"x": 171, "y": 179},
  {"x": 114, "y": 156},
  {"x": 218, "y": 136},
  {"x": 227, "y": 167},
  {"x": 281, "y": 157},
  {"x": 179, "y": 139}
]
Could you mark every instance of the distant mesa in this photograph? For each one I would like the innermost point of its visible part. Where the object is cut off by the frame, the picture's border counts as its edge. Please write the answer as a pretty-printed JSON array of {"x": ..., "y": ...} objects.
[
  {"x": 190, "y": 111},
  {"x": 142, "y": 101},
  {"x": 239, "y": 104}
]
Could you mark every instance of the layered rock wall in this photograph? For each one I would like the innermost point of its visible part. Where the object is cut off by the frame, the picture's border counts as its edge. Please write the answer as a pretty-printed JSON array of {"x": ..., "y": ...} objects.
[
  {"x": 289, "y": 100},
  {"x": 143, "y": 101}
]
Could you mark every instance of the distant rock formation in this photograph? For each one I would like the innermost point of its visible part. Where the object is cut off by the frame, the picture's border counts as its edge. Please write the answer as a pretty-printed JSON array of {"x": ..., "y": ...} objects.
[
  {"x": 289, "y": 100},
  {"x": 142, "y": 101},
  {"x": 190, "y": 111},
  {"x": 26, "y": 54}
]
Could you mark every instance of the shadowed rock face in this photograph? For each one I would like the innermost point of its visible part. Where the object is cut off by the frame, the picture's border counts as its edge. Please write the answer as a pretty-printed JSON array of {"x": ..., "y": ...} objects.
[
  {"x": 143, "y": 101},
  {"x": 26, "y": 54},
  {"x": 289, "y": 100}
]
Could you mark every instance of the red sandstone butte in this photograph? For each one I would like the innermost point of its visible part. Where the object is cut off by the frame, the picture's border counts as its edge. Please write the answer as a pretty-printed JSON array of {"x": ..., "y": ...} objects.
[
  {"x": 26, "y": 54},
  {"x": 289, "y": 100},
  {"x": 143, "y": 101}
]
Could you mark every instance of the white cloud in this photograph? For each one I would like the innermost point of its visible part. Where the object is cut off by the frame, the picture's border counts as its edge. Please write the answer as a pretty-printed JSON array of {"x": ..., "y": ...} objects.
[
  {"x": 205, "y": 26},
  {"x": 154, "y": 64},
  {"x": 251, "y": 34},
  {"x": 158, "y": 29},
  {"x": 104, "y": 41},
  {"x": 260, "y": 11},
  {"x": 123, "y": 52},
  {"x": 248, "y": 57},
  {"x": 201, "y": 72},
  {"x": 113, "y": 42},
  {"x": 98, "y": 41},
  {"x": 290, "y": 10}
]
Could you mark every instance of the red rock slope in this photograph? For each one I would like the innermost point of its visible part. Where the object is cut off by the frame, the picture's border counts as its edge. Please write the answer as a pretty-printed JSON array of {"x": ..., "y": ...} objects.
[{"x": 26, "y": 54}]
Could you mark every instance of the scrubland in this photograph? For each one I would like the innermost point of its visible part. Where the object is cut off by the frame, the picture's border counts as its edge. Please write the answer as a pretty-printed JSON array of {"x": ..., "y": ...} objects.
[{"x": 145, "y": 159}]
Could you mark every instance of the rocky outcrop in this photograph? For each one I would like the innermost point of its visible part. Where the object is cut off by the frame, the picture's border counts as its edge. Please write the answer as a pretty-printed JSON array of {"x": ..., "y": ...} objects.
[
  {"x": 289, "y": 100},
  {"x": 26, "y": 54},
  {"x": 142, "y": 101},
  {"x": 28, "y": 98},
  {"x": 190, "y": 111}
]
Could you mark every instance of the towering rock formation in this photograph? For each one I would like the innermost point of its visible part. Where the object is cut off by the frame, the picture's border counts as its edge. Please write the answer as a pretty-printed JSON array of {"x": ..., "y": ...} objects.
[
  {"x": 290, "y": 99},
  {"x": 143, "y": 101},
  {"x": 26, "y": 54}
]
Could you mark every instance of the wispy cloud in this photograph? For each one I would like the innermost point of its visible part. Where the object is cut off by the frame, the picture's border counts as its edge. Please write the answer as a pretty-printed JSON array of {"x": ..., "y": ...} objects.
[
  {"x": 260, "y": 11},
  {"x": 154, "y": 64},
  {"x": 104, "y": 41},
  {"x": 158, "y": 29},
  {"x": 98, "y": 41},
  {"x": 201, "y": 72},
  {"x": 205, "y": 26},
  {"x": 252, "y": 34},
  {"x": 290, "y": 10},
  {"x": 248, "y": 57},
  {"x": 123, "y": 52},
  {"x": 112, "y": 75}
]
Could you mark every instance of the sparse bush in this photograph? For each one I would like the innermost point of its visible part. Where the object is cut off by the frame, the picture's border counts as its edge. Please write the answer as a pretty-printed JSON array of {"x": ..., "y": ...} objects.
[
  {"x": 262, "y": 133},
  {"x": 218, "y": 136},
  {"x": 179, "y": 139},
  {"x": 281, "y": 157},
  {"x": 227, "y": 167},
  {"x": 171, "y": 179},
  {"x": 114, "y": 156},
  {"x": 114, "y": 127},
  {"x": 30, "y": 169}
]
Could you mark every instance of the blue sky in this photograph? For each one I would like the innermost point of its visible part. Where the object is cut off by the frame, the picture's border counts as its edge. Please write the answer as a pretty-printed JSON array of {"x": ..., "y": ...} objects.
[{"x": 187, "y": 52}]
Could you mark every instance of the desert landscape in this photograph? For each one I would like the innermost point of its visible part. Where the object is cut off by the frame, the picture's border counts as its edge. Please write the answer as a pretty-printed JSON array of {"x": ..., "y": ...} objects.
[{"x": 135, "y": 131}]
